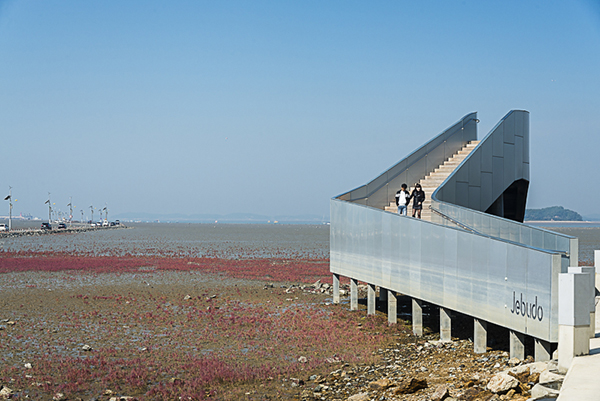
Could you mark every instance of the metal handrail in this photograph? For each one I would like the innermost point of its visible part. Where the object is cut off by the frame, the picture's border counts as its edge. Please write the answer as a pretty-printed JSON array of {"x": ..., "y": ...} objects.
[
  {"x": 456, "y": 222},
  {"x": 463, "y": 121},
  {"x": 465, "y": 227}
]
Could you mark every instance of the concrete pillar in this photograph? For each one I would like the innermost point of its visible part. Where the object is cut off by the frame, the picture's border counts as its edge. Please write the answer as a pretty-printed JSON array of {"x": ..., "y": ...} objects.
[
  {"x": 417, "y": 317},
  {"x": 445, "y": 325},
  {"x": 336, "y": 288},
  {"x": 573, "y": 317},
  {"x": 392, "y": 307},
  {"x": 517, "y": 345},
  {"x": 542, "y": 350},
  {"x": 479, "y": 336},
  {"x": 383, "y": 294},
  {"x": 591, "y": 270},
  {"x": 353, "y": 294},
  {"x": 371, "y": 299}
]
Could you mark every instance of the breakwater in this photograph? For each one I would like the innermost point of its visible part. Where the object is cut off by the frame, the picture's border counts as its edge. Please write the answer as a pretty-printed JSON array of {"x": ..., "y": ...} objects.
[{"x": 30, "y": 232}]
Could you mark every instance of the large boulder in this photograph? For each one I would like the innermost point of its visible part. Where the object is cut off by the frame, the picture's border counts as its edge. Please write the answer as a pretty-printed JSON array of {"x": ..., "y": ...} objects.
[
  {"x": 441, "y": 392},
  {"x": 539, "y": 391},
  {"x": 359, "y": 397},
  {"x": 502, "y": 382},
  {"x": 547, "y": 377},
  {"x": 380, "y": 384},
  {"x": 409, "y": 386}
]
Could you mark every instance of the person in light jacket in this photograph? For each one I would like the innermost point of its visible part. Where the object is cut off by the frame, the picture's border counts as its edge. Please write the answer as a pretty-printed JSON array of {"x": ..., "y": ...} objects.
[{"x": 402, "y": 199}]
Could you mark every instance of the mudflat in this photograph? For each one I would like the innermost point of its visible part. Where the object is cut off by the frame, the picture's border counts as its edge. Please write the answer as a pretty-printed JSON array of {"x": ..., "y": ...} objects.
[{"x": 157, "y": 334}]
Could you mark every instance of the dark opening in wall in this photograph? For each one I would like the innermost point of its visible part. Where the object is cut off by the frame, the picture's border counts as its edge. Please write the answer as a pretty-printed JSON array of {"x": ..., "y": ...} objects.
[{"x": 511, "y": 204}]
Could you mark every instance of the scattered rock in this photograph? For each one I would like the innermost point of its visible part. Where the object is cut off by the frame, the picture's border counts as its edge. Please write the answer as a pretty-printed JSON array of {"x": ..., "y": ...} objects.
[
  {"x": 359, "y": 397},
  {"x": 441, "y": 392},
  {"x": 10, "y": 323},
  {"x": 522, "y": 377},
  {"x": 187, "y": 297},
  {"x": 409, "y": 386},
  {"x": 476, "y": 394},
  {"x": 540, "y": 391},
  {"x": 59, "y": 397},
  {"x": 28, "y": 366},
  {"x": 5, "y": 393},
  {"x": 303, "y": 359},
  {"x": 380, "y": 384},
  {"x": 514, "y": 361},
  {"x": 547, "y": 377},
  {"x": 502, "y": 382},
  {"x": 86, "y": 348}
]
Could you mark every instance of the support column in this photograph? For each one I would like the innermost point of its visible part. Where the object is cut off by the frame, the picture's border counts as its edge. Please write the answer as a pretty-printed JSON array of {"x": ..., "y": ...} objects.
[
  {"x": 573, "y": 317},
  {"x": 392, "y": 307},
  {"x": 542, "y": 350},
  {"x": 371, "y": 299},
  {"x": 383, "y": 294},
  {"x": 353, "y": 294},
  {"x": 445, "y": 325},
  {"x": 336, "y": 288},
  {"x": 591, "y": 270},
  {"x": 479, "y": 336},
  {"x": 417, "y": 317},
  {"x": 517, "y": 345}
]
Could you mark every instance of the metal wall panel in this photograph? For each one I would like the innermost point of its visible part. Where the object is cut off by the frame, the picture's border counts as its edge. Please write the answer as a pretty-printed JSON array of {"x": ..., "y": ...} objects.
[
  {"x": 509, "y": 165},
  {"x": 509, "y": 129},
  {"x": 498, "y": 142},
  {"x": 449, "y": 267}
]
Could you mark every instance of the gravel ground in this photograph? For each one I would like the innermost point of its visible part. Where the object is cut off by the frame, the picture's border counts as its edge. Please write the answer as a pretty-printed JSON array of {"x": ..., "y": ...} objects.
[{"x": 52, "y": 324}]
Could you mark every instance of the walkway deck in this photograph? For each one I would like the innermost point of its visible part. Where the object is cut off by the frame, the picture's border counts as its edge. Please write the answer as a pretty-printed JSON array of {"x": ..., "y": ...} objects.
[{"x": 581, "y": 382}]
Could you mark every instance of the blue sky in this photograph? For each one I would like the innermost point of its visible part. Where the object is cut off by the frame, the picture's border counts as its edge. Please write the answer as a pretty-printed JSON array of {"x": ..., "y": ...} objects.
[{"x": 273, "y": 107}]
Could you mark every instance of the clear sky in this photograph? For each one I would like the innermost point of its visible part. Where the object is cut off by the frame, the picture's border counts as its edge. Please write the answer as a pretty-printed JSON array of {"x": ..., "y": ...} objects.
[{"x": 274, "y": 107}]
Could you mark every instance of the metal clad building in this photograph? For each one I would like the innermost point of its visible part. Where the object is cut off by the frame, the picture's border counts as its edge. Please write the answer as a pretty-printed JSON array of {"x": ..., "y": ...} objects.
[{"x": 475, "y": 256}]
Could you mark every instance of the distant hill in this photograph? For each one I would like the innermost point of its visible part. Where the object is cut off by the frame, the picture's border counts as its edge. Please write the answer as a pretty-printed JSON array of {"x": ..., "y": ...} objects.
[{"x": 552, "y": 213}]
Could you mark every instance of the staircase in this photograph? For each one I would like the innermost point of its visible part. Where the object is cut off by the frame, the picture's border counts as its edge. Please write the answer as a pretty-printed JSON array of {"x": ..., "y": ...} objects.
[{"x": 435, "y": 179}]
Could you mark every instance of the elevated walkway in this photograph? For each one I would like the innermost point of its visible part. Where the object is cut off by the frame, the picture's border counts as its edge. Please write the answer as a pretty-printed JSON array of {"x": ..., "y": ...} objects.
[
  {"x": 470, "y": 253},
  {"x": 581, "y": 382}
]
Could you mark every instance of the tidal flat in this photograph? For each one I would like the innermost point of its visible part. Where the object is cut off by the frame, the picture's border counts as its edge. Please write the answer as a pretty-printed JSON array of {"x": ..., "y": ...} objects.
[{"x": 161, "y": 313}]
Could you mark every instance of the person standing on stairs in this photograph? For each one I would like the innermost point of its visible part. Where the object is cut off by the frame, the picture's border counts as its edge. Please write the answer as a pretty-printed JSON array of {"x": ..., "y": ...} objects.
[
  {"x": 402, "y": 199},
  {"x": 418, "y": 197}
]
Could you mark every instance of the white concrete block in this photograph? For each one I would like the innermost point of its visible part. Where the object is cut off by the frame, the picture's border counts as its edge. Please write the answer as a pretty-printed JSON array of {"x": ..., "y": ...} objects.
[
  {"x": 572, "y": 341},
  {"x": 573, "y": 299}
]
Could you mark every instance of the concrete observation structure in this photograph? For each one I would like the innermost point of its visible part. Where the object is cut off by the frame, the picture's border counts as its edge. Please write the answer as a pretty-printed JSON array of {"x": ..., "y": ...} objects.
[{"x": 471, "y": 252}]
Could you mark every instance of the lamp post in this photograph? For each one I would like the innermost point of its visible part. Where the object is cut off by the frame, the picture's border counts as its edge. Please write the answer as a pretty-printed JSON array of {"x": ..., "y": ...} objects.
[
  {"x": 70, "y": 210},
  {"x": 49, "y": 209},
  {"x": 9, "y": 199},
  {"x": 92, "y": 209},
  {"x": 105, "y": 212}
]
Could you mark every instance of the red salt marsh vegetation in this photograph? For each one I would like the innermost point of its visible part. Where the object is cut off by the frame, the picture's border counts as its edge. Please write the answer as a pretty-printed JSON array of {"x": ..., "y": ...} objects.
[{"x": 162, "y": 328}]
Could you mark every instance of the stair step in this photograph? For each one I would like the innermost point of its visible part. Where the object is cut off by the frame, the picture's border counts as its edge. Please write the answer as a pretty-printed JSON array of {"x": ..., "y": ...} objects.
[{"x": 434, "y": 179}]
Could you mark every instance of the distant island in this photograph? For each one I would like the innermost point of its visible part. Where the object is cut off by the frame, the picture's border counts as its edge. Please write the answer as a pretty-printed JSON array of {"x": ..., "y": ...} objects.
[{"x": 552, "y": 213}]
